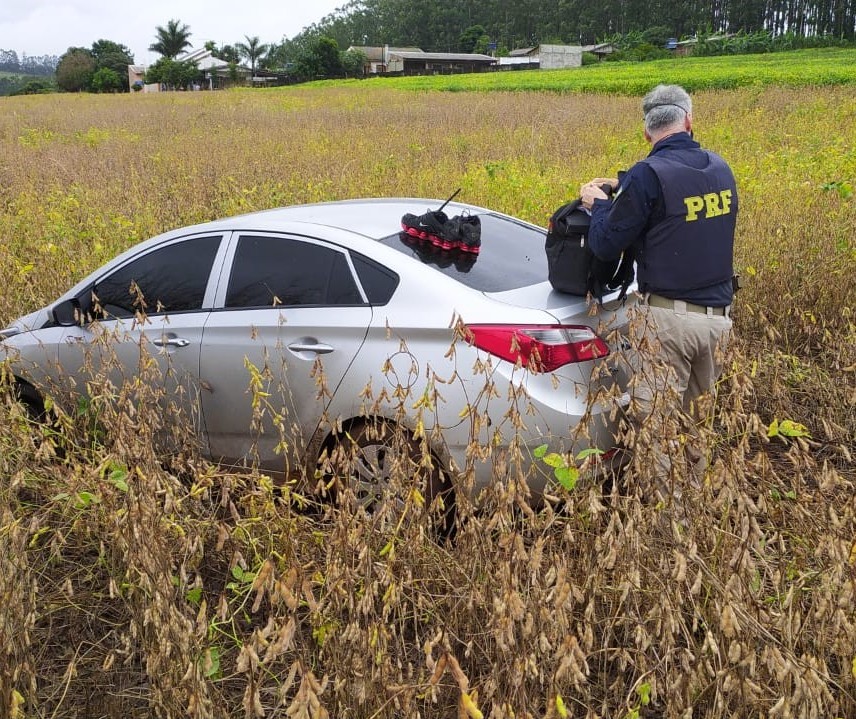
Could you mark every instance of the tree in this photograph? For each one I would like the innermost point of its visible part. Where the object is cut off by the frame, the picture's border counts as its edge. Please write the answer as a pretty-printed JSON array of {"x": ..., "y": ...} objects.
[
  {"x": 75, "y": 69},
  {"x": 252, "y": 49},
  {"x": 107, "y": 80},
  {"x": 173, "y": 73},
  {"x": 33, "y": 87},
  {"x": 320, "y": 58},
  {"x": 172, "y": 40},
  {"x": 354, "y": 63},
  {"x": 229, "y": 53},
  {"x": 9, "y": 61},
  {"x": 112, "y": 56},
  {"x": 474, "y": 39}
]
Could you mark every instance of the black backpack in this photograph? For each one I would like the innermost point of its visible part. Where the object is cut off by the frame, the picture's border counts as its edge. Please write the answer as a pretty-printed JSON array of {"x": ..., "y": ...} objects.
[{"x": 573, "y": 268}]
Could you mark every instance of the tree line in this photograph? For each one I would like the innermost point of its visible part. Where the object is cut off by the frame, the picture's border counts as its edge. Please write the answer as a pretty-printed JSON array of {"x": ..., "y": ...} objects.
[
  {"x": 30, "y": 71},
  {"x": 438, "y": 25}
]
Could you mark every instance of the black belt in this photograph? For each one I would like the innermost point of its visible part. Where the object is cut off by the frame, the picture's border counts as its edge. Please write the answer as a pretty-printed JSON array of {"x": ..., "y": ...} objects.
[{"x": 670, "y": 304}]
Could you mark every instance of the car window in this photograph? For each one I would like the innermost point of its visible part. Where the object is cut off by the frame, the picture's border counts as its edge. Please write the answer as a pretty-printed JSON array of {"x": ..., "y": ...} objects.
[
  {"x": 379, "y": 282},
  {"x": 168, "y": 279},
  {"x": 269, "y": 271},
  {"x": 511, "y": 255}
]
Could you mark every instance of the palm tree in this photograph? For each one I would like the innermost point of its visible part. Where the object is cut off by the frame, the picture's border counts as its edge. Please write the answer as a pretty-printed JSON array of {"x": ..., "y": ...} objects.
[
  {"x": 252, "y": 49},
  {"x": 171, "y": 40}
]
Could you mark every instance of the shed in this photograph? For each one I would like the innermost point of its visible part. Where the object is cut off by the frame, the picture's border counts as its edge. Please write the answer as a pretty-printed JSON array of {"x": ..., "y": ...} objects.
[
  {"x": 434, "y": 63},
  {"x": 377, "y": 58},
  {"x": 545, "y": 57}
]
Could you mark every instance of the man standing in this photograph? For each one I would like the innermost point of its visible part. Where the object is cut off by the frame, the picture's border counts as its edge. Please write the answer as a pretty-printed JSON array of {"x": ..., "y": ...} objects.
[{"x": 676, "y": 209}]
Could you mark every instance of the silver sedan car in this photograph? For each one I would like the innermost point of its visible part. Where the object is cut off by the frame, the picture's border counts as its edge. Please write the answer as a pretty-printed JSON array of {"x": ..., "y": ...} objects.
[{"x": 331, "y": 315}]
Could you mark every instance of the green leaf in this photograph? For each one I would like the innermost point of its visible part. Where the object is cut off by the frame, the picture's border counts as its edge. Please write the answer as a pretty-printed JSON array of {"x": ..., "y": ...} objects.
[
  {"x": 211, "y": 663},
  {"x": 194, "y": 596},
  {"x": 567, "y": 476},
  {"x": 82, "y": 500},
  {"x": 789, "y": 428},
  {"x": 588, "y": 453},
  {"x": 540, "y": 451},
  {"x": 555, "y": 460},
  {"x": 242, "y": 575},
  {"x": 118, "y": 477},
  {"x": 643, "y": 691},
  {"x": 755, "y": 582}
]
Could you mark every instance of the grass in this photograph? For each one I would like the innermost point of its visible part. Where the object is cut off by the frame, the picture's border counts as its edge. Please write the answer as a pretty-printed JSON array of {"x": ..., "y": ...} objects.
[
  {"x": 133, "y": 587},
  {"x": 802, "y": 68}
]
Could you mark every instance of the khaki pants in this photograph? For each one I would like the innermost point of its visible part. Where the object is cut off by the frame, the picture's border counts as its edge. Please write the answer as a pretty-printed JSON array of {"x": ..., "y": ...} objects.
[{"x": 675, "y": 359}]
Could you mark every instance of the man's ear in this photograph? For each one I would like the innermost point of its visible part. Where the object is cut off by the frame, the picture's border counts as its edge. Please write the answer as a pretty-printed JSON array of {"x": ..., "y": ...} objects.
[
  {"x": 688, "y": 122},
  {"x": 647, "y": 135}
]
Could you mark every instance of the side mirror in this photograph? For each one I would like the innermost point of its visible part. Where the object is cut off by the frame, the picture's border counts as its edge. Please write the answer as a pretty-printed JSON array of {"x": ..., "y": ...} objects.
[{"x": 67, "y": 313}]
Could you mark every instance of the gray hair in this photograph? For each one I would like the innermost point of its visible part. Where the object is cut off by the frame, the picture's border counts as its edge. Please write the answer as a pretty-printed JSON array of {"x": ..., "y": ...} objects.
[{"x": 664, "y": 106}]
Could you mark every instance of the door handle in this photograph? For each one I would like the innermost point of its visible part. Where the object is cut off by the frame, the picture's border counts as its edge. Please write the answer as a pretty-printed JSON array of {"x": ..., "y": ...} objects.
[
  {"x": 170, "y": 341},
  {"x": 314, "y": 347}
]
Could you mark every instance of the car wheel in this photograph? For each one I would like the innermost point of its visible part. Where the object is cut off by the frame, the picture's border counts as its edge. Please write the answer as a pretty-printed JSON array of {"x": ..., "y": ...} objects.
[
  {"x": 31, "y": 401},
  {"x": 380, "y": 463}
]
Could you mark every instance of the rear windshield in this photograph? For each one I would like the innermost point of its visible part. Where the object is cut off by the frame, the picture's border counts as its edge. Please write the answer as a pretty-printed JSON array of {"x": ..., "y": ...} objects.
[{"x": 511, "y": 255}]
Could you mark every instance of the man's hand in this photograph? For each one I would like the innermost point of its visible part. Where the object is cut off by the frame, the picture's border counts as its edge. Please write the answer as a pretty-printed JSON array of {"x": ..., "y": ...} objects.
[{"x": 592, "y": 191}]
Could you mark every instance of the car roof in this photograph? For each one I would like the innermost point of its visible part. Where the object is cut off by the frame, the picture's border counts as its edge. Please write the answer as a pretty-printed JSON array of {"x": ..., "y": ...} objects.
[{"x": 371, "y": 217}]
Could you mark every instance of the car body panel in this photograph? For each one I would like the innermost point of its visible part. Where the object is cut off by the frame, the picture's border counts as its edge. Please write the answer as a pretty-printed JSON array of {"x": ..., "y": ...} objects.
[{"x": 406, "y": 356}]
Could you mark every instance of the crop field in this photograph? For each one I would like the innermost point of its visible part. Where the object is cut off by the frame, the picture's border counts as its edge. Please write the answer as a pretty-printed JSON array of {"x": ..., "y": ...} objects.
[
  {"x": 794, "y": 69},
  {"x": 137, "y": 585}
]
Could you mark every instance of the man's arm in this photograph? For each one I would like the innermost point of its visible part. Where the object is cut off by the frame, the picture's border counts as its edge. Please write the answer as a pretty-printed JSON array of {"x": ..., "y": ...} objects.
[{"x": 618, "y": 224}]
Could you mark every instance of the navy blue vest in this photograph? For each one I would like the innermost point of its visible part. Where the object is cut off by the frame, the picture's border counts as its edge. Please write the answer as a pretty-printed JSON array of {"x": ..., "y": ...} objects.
[{"x": 689, "y": 254}]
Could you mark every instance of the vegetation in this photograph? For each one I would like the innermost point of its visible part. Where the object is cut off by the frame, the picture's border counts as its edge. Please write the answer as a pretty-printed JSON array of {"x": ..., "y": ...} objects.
[
  {"x": 171, "y": 40},
  {"x": 137, "y": 583},
  {"x": 174, "y": 74},
  {"x": 794, "y": 69},
  {"x": 103, "y": 68},
  {"x": 447, "y": 25},
  {"x": 253, "y": 49},
  {"x": 30, "y": 75}
]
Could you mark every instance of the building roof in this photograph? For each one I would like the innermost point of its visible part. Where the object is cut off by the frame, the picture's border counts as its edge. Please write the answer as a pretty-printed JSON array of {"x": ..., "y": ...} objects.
[
  {"x": 521, "y": 51},
  {"x": 603, "y": 48},
  {"x": 444, "y": 56},
  {"x": 195, "y": 55},
  {"x": 380, "y": 54}
]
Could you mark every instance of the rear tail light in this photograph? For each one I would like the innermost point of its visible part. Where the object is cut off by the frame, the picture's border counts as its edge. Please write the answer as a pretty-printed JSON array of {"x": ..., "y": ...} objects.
[{"x": 539, "y": 348}]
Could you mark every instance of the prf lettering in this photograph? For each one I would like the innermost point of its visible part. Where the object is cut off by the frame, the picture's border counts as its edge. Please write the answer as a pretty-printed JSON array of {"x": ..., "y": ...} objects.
[{"x": 713, "y": 204}]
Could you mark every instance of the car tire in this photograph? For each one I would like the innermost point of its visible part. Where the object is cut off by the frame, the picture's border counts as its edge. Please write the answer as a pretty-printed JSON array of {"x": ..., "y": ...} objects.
[
  {"x": 370, "y": 454},
  {"x": 31, "y": 401}
]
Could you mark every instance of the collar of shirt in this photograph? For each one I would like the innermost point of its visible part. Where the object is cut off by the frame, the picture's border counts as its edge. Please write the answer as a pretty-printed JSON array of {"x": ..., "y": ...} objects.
[{"x": 678, "y": 141}]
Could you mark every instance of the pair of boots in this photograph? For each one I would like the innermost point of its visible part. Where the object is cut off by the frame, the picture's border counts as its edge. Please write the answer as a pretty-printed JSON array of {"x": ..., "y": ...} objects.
[{"x": 461, "y": 232}]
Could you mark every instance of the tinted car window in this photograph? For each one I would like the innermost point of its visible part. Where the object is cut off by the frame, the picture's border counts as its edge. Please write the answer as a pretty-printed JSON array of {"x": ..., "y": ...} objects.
[
  {"x": 378, "y": 282},
  {"x": 511, "y": 255},
  {"x": 169, "y": 279},
  {"x": 269, "y": 271}
]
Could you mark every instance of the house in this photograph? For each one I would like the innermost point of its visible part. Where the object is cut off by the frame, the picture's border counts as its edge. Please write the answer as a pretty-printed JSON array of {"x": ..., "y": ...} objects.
[
  {"x": 137, "y": 79},
  {"x": 377, "y": 58},
  {"x": 436, "y": 63},
  {"x": 216, "y": 71},
  {"x": 545, "y": 57}
]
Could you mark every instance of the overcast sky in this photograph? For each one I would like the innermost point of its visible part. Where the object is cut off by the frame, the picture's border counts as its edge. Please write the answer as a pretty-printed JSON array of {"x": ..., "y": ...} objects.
[{"x": 50, "y": 27}]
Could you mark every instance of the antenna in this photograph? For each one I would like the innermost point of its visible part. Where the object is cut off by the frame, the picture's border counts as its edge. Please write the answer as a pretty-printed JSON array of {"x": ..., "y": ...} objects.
[{"x": 452, "y": 197}]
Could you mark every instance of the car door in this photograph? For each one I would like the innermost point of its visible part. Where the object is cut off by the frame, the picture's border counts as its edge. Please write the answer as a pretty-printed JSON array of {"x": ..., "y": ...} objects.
[
  {"x": 148, "y": 317},
  {"x": 290, "y": 319}
]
